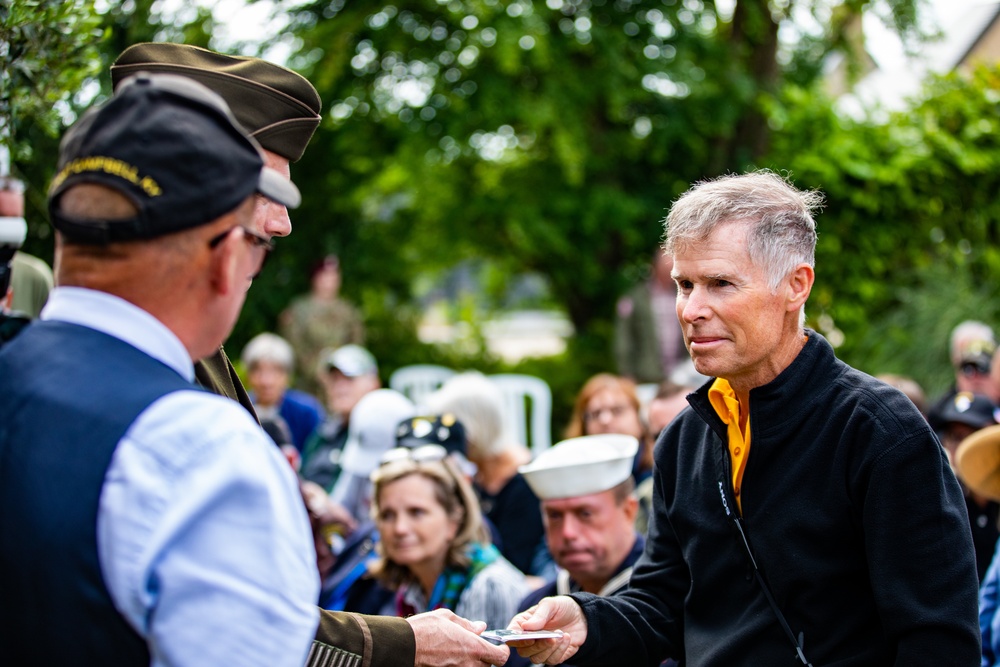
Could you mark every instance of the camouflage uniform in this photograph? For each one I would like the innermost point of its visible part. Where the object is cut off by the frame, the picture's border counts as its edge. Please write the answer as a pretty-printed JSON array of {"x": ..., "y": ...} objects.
[
  {"x": 31, "y": 281},
  {"x": 636, "y": 341},
  {"x": 310, "y": 326}
]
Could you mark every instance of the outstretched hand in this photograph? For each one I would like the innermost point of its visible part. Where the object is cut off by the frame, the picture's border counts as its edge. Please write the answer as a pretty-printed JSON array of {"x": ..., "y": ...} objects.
[
  {"x": 446, "y": 640},
  {"x": 553, "y": 613}
]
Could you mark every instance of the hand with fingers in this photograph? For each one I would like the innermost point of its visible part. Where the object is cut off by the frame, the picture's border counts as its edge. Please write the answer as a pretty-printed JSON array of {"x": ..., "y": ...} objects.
[
  {"x": 552, "y": 613},
  {"x": 446, "y": 640}
]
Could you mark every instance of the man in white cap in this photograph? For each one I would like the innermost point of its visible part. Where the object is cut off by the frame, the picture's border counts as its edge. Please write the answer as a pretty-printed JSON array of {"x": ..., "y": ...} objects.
[
  {"x": 347, "y": 374},
  {"x": 589, "y": 507}
]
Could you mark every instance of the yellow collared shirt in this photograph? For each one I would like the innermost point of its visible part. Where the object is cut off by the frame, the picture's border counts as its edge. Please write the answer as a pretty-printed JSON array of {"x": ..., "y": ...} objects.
[{"x": 727, "y": 406}]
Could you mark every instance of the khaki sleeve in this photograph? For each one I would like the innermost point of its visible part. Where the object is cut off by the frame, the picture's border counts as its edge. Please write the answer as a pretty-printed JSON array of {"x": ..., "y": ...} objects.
[
  {"x": 216, "y": 373},
  {"x": 355, "y": 640}
]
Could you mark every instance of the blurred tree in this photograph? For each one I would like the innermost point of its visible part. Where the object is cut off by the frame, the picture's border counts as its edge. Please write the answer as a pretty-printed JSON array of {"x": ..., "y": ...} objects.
[
  {"x": 911, "y": 230},
  {"x": 55, "y": 57},
  {"x": 48, "y": 51},
  {"x": 550, "y": 137}
]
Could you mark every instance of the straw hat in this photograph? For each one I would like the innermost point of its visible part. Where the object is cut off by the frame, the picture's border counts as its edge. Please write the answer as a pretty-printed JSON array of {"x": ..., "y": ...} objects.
[{"x": 977, "y": 462}]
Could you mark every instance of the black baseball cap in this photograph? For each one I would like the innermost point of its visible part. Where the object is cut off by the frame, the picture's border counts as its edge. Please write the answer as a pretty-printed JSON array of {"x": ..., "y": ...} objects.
[
  {"x": 973, "y": 410},
  {"x": 444, "y": 430},
  {"x": 174, "y": 149}
]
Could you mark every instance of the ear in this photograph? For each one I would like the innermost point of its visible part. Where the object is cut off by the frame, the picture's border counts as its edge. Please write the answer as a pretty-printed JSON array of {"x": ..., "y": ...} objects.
[
  {"x": 453, "y": 527},
  {"x": 631, "y": 508},
  {"x": 224, "y": 264},
  {"x": 799, "y": 285}
]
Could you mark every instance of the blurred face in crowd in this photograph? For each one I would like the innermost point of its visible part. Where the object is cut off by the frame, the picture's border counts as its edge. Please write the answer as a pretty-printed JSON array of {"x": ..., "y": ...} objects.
[
  {"x": 590, "y": 536},
  {"x": 413, "y": 525},
  {"x": 326, "y": 281},
  {"x": 11, "y": 201},
  {"x": 974, "y": 377},
  {"x": 663, "y": 410},
  {"x": 610, "y": 411},
  {"x": 663, "y": 265},
  {"x": 269, "y": 380},
  {"x": 343, "y": 392}
]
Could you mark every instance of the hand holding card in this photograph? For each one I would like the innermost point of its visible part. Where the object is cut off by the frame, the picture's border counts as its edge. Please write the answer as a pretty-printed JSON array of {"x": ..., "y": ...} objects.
[{"x": 508, "y": 636}]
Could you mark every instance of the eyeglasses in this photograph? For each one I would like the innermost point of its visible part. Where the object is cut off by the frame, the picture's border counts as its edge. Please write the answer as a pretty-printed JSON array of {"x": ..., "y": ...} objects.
[
  {"x": 422, "y": 454},
  {"x": 256, "y": 240},
  {"x": 971, "y": 369},
  {"x": 614, "y": 410}
]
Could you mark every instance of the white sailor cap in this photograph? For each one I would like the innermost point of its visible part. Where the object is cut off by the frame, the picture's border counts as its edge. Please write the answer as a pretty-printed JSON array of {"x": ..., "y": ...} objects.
[{"x": 581, "y": 466}]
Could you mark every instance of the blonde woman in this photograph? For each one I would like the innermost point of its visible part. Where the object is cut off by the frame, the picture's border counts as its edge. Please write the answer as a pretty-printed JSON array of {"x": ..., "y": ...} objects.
[{"x": 434, "y": 550}]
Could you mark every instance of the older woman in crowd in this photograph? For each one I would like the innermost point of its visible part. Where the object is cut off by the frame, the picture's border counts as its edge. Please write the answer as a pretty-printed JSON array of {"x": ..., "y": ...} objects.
[
  {"x": 609, "y": 404},
  {"x": 506, "y": 499},
  {"x": 433, "y": 548}
]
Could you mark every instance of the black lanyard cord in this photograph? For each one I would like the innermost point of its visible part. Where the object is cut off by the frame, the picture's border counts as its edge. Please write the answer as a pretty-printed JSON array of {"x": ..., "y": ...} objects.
[{"x": 796, "y": 642}]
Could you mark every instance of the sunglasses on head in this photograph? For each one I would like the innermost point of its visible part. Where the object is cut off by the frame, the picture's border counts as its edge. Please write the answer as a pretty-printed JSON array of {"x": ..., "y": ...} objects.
[{"x": 421, "y": 454}]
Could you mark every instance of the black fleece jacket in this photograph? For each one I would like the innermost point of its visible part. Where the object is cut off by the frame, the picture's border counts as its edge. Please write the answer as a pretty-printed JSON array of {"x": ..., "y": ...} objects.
[{"x": 854, "y": 518}]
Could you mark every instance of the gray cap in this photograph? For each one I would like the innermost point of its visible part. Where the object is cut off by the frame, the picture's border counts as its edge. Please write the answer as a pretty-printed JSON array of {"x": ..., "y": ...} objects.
[{"x": 351, "y": 360}]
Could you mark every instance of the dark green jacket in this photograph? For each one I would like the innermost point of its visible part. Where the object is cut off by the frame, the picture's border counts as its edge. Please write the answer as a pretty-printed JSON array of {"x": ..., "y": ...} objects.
[{"x": 636, "y": 342}]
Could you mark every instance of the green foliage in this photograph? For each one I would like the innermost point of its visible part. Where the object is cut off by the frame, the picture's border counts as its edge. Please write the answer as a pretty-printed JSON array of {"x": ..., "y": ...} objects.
[
  {"x": 48, "y": 53},
  {"x": 911, "y": 338},
  {"x": 550, "y": 138},
  {"x": 912, "y": 221},
  {"x": 56, "y": 57},
  {"x": 48, "y": 50}
]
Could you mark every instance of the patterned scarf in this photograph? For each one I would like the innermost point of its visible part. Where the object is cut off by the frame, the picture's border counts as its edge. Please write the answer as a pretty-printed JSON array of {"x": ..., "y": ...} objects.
[{"x": 451, "y": 582}]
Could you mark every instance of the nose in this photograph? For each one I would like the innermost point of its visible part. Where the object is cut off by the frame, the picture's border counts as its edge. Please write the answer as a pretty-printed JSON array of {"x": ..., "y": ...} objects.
[
  {"x": 400, "y": 526},
  {"x": 278, "y": 223},
  {"x": 692, "y": 306},
  {"x": 569, "y": 529}
]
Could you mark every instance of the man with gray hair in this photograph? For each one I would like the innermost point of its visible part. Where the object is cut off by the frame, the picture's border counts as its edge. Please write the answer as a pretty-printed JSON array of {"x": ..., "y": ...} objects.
[{"x": 802, "y": 510}]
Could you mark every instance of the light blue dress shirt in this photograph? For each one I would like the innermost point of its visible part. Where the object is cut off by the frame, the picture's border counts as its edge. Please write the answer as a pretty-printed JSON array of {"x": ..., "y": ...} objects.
[{"x": 202, "y": 535}]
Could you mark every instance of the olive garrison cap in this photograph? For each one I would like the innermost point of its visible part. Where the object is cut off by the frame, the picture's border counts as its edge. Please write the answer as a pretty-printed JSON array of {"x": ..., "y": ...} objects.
[
  {"x": 278, "y": 107},
  {"x": 172, "y": 147}
]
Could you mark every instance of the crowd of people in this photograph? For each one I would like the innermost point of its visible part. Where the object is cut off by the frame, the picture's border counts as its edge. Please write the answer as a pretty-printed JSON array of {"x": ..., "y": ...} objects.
[{"x": 767, "y": 505}]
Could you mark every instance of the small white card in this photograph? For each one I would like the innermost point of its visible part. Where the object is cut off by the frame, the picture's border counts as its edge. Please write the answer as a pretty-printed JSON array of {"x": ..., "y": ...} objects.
[{"x": 507, "y": 636}]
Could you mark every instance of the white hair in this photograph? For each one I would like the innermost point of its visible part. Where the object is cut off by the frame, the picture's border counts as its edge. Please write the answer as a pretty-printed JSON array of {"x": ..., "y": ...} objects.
[
  {"x": 478, "y": 403},
  {"x": 781, "y": 230},
  {"x": 268, "y": 347},
  {"x": 969, "y": 330}
]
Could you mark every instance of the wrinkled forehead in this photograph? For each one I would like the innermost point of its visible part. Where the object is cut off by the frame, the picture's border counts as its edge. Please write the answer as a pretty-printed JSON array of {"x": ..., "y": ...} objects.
[
  {"x": 724, "y": 251},
  {"x": 593, "y": 501}
]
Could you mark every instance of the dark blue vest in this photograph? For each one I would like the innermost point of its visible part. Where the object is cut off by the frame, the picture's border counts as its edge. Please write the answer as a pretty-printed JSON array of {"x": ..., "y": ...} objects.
[{"x": 67, "y": 396}]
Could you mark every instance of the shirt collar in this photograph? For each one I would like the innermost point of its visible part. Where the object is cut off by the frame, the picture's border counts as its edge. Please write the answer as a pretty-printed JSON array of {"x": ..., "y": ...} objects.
[
  {"x": 125, "y": 321},
  {"x": 722, "y": 396}
]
